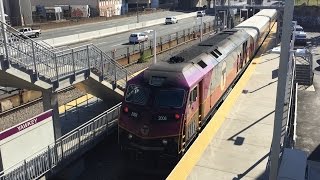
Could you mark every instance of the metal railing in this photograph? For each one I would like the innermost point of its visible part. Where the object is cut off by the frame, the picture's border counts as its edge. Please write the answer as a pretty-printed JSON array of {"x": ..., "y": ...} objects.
[
  {"x": 71, "y": 145},
  {"x": 289, "y": 110},
  {"x": 295, "y": 116},
  {"x": 290, "y": 104},
  {"x": 123, "y": 52},
  {"x": 52, "y": 64}
]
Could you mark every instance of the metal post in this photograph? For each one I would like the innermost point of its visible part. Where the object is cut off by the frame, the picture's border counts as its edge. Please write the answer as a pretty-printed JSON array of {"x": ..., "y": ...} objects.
[
  {"x": 115, "y": 69},
  {"x": 128, "y": 55},
  {"x": 56, "y": 67},
  {"x": 79, "y": 140},
  {"x": 137, "y": 11},
  {"x": 201, "y": 30},
  {"x": 283, "y": 68},
  {"x": 49, "y": 158},
  {"x": 25, "y": 169},
  {"x": 5, "y": 40},
  {"x": 154, "y": 47},
  {"x": 73, "y": 63},
  {"x": 3, "y": 19},
  {"x": 34, "y": 60},
  {"x": 102, "y": 64},
  {"x": 88, "y": 57}
]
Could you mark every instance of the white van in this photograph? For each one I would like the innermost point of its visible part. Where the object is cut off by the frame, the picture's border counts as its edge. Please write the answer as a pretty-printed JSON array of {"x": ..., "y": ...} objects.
[{"x": 137, "y": 37}]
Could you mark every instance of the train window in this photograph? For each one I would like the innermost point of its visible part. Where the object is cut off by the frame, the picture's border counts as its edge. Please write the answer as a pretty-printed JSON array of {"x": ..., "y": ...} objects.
[
  {"x": 202, "y": 64},
  {"x": 214, "y": 54},
  {"x": 170, "y": 98},
  {"x": 137, "y": 95},
  {"x": 218, "y": 52},
  {"x": 193, "y": 95}
]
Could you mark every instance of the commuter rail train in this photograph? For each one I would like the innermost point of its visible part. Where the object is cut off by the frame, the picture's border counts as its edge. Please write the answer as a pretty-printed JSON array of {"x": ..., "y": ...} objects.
[{"x": 167, "y": 105}]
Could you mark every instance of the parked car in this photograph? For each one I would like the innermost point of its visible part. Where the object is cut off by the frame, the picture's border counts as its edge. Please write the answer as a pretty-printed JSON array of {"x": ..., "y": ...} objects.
[
  {"x": 29, "y": 32},
  {"x": 300, "y": 35},
  {"x": 299, "y": 28},
  {"x": 200, "y": 13},
  {"x": 171, "y": 20},
  {"x": 300, "y": 38},
  {"x": 138, "y": 37}
]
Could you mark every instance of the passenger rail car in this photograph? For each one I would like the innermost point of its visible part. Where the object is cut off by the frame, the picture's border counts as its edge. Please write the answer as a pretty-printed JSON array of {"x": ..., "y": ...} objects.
[{"x": 167, "y": 105}]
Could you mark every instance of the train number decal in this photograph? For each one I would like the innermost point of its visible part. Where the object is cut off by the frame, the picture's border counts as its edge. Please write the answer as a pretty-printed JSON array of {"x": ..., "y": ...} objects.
[
  {"x": 223, "y": 75},
  {"x": 162, "y": 118},
  {"x": 134, "y": 114}
]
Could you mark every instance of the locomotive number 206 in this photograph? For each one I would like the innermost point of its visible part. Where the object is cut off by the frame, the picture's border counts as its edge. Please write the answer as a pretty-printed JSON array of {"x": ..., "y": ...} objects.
[{"x": 162, "y": 118}]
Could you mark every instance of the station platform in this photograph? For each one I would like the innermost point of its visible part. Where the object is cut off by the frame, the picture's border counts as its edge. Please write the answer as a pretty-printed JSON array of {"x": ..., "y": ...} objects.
[{"x": 236, "y": 142}]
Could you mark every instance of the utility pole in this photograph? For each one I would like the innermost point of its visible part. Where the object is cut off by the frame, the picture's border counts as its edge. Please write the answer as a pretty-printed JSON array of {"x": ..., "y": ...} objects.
[
  {"x": 137, "y": 11},
  {"x": 282, "y": 77}
]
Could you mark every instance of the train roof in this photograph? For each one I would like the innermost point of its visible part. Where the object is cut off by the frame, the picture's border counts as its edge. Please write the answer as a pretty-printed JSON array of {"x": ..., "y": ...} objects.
[
  {"x": 217, "y": 43},
  {"x": 256, "y": 23},
  {"x": 198, "y": 59}
]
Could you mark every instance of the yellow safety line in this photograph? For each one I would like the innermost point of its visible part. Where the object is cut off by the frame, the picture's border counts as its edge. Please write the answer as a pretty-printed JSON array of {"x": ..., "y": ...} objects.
[
  {"x": 192, "y": 156},
  {"x": 84, "y": 98},
  {"x": 74, "y": 103}
]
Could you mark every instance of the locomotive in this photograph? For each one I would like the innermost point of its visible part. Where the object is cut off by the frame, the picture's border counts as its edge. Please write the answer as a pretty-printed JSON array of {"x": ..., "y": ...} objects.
[{"x": 167, "y": 105}]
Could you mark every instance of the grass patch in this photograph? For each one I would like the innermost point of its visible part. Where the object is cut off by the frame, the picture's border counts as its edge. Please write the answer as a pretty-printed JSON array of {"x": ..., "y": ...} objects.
[
  {"x": 146, "y": 55},
  {"x": 307, "y": 2}
]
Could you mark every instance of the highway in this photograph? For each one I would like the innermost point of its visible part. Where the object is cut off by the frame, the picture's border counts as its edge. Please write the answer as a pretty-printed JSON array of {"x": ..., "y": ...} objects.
[
  {"x": 65, "y": 31},
  {"x": 121, "y": 41}
]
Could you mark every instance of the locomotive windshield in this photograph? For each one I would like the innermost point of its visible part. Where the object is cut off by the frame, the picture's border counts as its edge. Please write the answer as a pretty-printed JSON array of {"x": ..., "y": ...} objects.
[
  {"x": 137, "y": 95},
  {"x": 169, "y": 98}
]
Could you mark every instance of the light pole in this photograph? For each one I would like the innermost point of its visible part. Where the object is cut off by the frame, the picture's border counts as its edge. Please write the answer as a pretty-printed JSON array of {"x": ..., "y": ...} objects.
[
  {"x": 137, "y": 11},
  {"x": 154, "y": 44},
  {"x": 281, "y": 88},
  {"x": 201, "y": 28}
]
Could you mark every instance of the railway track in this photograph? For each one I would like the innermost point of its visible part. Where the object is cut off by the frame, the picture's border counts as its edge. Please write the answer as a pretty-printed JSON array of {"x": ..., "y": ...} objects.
[
  {"x": 32, "y": 108},
  {"x": 31, "y": 102}
]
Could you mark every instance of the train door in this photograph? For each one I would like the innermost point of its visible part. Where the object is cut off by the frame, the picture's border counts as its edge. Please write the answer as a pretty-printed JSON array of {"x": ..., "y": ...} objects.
[
  {"x": 201, "y": 104},
  {"x": 238, "y": 63},
  {"x": 245, "y": 52},
  {"x": 192, "y": 123}
]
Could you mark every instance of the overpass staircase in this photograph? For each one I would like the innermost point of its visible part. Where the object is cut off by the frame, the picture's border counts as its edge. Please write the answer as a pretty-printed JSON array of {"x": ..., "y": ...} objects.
[{"x": 29, "y": 64}]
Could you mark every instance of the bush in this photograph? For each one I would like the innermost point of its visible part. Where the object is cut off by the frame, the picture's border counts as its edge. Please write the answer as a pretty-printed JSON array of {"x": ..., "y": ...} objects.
[{"x": 145, "y": 56}]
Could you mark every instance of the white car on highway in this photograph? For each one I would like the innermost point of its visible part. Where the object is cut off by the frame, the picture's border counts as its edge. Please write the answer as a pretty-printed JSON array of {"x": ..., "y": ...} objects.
[
  {"x": 200, "y": 13},
  {"x": 137, "y": 38},
  {"x": 171, "y": 20}
]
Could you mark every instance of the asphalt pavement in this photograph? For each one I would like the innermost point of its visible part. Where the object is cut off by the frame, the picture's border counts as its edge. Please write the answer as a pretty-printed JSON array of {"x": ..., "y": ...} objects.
[
  {"x": 65, "y": 31},
  {"x": 121, "y": 41}
]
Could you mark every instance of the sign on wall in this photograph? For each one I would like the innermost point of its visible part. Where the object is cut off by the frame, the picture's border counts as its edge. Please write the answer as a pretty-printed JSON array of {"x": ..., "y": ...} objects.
[{"x": 26, "y": 139}]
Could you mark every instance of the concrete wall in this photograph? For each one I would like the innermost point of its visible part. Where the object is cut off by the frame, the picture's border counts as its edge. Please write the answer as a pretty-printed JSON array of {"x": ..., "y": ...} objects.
[{"x": 25, "y": 139}]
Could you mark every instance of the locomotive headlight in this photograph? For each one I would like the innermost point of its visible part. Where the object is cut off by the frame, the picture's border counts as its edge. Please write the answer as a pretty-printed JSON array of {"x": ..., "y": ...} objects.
[
  {"x": 129, "y": 136},
  {"x": 164, "y": 142}
]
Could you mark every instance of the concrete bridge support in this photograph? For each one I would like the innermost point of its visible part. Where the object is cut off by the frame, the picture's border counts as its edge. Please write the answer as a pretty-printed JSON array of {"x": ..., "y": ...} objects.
[{"x": 50, "y": 101}]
